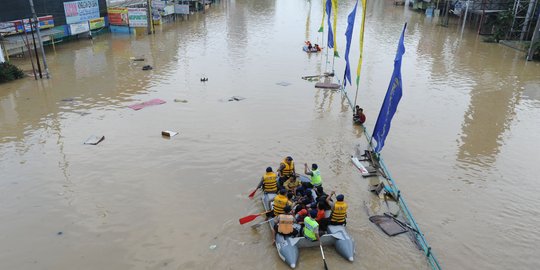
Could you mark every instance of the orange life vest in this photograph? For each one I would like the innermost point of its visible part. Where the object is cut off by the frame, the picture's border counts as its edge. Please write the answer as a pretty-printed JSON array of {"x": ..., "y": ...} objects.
[{"x": 285, "y": 225}]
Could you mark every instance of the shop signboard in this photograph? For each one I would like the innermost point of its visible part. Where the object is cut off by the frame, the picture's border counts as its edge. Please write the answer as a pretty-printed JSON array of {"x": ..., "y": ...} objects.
[
  {"x": 81, "y": 11},
  {"x": 181, "y": 9},
  {"x": 77, "y": 28},
  {"x": 137, "y": 17},
  {"x": 168, "y": 10},
  {"x": 159, "y": 5},
  {"x": 97, "y": 23},
  {"x": 118, "y": 16}
]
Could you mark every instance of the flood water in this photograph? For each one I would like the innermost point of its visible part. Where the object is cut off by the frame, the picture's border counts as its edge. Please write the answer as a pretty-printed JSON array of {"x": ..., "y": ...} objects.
[{"x": 463, "y": 146}]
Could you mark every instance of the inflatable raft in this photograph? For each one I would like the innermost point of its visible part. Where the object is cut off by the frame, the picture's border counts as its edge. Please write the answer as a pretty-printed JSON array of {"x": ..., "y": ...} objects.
[{"x": 288, "y": 247}]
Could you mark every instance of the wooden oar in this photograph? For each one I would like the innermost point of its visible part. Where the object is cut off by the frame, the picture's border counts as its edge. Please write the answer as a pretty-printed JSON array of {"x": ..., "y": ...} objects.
[
  {"x": 322, "y": 252},
  {"x": 252, "y": 194},
  {"x": 250, "y": 218}
]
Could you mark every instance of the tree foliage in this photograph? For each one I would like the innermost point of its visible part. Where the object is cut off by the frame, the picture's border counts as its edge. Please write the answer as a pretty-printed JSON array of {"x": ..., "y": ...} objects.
[{"x": 9, "y": 72}]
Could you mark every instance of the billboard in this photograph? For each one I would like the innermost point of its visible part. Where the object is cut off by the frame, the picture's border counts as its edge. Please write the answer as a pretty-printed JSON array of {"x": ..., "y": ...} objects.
[
  {"x": 181, "y": 9},
  {"x": 77, "y": 28},
  {"x": 137, "y": 17},
  {"x": 97, "y": 23},
  {"x": 80, "y": 11},
  {"x": 118, "y": 16}
]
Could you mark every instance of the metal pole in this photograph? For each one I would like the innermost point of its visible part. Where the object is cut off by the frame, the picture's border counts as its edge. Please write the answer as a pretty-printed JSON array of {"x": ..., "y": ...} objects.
[
  {"x": 35, "y": 48},
  {"x": 39, "y": 39},
  {"x": 29, "y": 53},
  {"x": 535, "y": 37},
  {"x": 465, "y": 17}
]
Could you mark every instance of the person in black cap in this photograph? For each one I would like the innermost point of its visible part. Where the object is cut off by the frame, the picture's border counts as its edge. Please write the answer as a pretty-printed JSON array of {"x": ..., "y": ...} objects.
[
  {"x": 286, "y": 169},
  {"x": 268, "y": 181},
  {"x": 339, "y": 210},
  {"x": 311, "y": 227}
]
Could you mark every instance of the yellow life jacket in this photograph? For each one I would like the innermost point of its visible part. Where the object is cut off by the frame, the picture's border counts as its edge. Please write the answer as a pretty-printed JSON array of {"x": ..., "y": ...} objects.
[
  {"x": 285, "y": 225},
  {"x": 339, "y": 213},
  {"x": 280, "y": 201},
  {"x": 269, "y": 182},
  {"x": 288, "y": 170}
]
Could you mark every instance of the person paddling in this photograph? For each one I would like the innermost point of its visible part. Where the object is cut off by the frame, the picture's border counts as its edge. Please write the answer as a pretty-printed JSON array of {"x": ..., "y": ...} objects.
[
  {"x": 284, "y": 224},
  {"x": 280, "y": 201},
  {"x": 268, "y": 181}
]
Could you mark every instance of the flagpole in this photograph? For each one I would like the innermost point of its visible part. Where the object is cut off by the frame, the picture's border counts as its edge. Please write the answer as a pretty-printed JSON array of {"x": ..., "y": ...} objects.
[{"x": 362, "y": 29}]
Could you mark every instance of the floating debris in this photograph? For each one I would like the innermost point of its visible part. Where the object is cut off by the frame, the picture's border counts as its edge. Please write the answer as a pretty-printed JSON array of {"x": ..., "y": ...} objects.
[
  {"x": 147, "y": 67},
  {"x": 93, "y": 139},
  {"x": 204, "y": 79},
  {"x": 180, "y": 100},
  {"x": 152, "y": 102},
  {"x": 137, "y": 58},
  {"x": 68, "y": 99},
  {"x": 327, "y": 85},
  {"x": 168, "y": 133},
  {"x": 283, "y": 83},
  {"x": 236, "y": 98},
  {"x": 212, "y": 247}
]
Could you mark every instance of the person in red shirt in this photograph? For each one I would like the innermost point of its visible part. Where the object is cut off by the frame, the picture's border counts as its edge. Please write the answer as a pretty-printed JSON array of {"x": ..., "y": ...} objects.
[{"x": 359, "y": 116}]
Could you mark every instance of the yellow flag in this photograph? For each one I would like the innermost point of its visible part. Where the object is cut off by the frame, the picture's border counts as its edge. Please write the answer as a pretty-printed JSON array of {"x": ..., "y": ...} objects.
[
  {"x": 364, "y": 10},
  {"x": 334, "y": 10}
]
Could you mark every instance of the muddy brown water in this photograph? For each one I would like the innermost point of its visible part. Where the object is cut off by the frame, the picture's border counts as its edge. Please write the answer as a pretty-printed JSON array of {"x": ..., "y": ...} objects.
[{"x": 463, "y": 146}]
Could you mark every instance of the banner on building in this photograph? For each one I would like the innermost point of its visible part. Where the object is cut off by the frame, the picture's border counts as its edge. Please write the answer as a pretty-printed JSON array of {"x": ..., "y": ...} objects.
[
  {"x": 137, "y": 17},
  {"x": 97, "y": 23},
  {"x": 17, "y": 26},
  {"x": 181, "y": 9},
  {"x": 118, "y": 16},
  {"x": 79, "y": 11},
  {"x": 77, "y": 28}
]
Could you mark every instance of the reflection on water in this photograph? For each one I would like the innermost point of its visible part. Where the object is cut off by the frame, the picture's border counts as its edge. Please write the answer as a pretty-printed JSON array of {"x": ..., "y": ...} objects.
[{"x": 466, "y": 121}]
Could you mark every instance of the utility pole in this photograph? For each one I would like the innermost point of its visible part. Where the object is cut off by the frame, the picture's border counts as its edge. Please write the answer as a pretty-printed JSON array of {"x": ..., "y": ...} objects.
[
  {"x": 39, "y": 38},
  {"x": 535, "y": 37},
  {"x": 35, "y": 48},
  {"x": 149, "y": 15}
]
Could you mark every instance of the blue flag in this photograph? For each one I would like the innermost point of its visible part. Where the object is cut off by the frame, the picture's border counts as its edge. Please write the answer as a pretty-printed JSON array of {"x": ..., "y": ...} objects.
[
  {"x": 391, "y": 100},
  {"x": 330, "y": 33},
  {"x": 348, "y": 35}
]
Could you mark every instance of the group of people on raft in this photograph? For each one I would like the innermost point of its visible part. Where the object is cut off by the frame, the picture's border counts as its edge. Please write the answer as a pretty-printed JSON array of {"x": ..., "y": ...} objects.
[
  {"x": 300, "y": 203},
  {"x": 313, "y": 48}
]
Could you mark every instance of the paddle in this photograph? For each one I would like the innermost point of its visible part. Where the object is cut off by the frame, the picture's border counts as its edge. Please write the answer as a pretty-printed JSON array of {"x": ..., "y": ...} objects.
[
  {"x": 250, "y": 218},
  {"x": 252, "y": 194},
  {"x": 324, "y": 259},
  {"x": 254, "y": 226}
]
